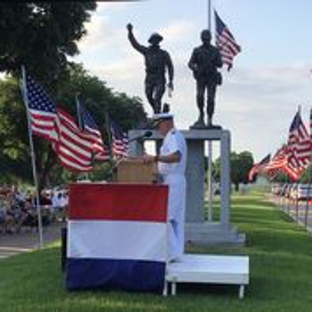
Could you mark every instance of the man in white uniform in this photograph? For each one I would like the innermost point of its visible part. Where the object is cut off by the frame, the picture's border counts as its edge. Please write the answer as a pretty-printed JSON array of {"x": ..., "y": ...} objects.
[{"x": 171, "y": 166}]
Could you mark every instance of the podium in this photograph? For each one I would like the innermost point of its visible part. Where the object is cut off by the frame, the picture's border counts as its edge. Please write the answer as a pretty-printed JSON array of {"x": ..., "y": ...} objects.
[
  {"x": 135, "y": 171},
  {"x": 117, "y": 236}
]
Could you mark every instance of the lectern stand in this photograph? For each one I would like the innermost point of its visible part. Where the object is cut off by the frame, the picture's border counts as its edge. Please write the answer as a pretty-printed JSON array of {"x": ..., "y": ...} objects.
[{"x": 135, "y": 171}]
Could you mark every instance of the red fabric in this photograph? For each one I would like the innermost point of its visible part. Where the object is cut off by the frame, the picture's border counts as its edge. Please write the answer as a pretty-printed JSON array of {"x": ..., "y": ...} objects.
[{"x": 120, "y": 202}]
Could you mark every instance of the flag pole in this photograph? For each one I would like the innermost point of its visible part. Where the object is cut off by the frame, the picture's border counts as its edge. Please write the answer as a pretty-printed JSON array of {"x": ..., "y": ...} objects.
[
  {"x": 109, "y": 139},
  {"x": 109, "y": 134},
  {"x": 297, "y": 184},
  {"x": 210, "y": 180},
  {"x": 209, "y": 15},
  {"x": 80, "y": 121},
  {"x": 33, "y": 158},
  {"x": 78, "y": 110},
  {"x": 306, "y": 214}
]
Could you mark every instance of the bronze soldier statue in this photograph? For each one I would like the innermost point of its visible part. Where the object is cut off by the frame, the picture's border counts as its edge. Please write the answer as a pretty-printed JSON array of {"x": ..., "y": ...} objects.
[
  {"x": 204, "y": 62},
  {"x": 157, "y": 61}
]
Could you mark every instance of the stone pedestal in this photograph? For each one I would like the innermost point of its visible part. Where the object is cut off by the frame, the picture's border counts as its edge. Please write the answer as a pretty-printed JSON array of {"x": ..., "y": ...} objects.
[{"x": 197, "y": 230}]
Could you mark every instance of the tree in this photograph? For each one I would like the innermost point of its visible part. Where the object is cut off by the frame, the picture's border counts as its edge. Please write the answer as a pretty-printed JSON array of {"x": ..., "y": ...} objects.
[
  {"x": 13, "y": 134},
  {"x": 240, "y": 163},
  {"x": 40, "y": 35},
  {"x": 99, "y": 99}
]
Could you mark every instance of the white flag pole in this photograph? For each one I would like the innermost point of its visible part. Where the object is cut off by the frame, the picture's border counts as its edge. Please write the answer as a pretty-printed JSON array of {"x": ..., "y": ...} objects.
[
  {"x": 78, "y": 110},
  {"x": 209, "y": 15},
  {"x": 306, "y": 214},
  {"x": 210, "y": 180},
  {"x": 79, "y": 116},
  {"x": 33, "y": 158}
]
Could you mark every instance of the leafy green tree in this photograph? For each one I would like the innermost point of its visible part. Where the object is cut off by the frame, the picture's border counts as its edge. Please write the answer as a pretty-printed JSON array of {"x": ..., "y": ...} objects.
[
  {"x": 240, "y": 163},
  {"x": 98, "y": 99},
  {"x": 13, "y": 133},
  {"x": 40, "y": 35}
]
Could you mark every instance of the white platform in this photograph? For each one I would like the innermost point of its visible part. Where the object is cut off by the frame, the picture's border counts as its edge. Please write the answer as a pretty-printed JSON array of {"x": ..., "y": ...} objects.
[{"x": 213, "y": 269}]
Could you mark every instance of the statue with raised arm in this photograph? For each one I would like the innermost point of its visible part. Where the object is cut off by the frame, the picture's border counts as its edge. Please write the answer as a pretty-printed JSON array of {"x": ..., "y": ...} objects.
[
  {"x": 157, "y": 62},
  {"x": 204, "y": 62}
]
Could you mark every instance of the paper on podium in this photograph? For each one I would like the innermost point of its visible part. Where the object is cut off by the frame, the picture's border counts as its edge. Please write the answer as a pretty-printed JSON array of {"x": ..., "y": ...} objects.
[{"x": 135, "y": 171}]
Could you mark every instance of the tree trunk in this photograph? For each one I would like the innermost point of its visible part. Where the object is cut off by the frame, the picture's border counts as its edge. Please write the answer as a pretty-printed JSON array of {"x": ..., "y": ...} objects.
[
  {"x": 46, "y": 168},
  {"x": 236, "y": 187}
]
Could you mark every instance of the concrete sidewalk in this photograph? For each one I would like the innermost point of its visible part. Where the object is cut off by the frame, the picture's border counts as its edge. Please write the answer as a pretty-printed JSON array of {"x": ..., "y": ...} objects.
[{"x": 11, "y": 244}]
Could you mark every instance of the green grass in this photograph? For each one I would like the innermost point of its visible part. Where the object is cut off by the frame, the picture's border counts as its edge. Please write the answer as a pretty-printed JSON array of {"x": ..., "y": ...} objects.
[{"x": 280, "y": 280}]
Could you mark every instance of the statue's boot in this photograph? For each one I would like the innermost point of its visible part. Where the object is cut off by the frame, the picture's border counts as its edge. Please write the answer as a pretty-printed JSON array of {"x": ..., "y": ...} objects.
[
  {"x": 209, "y": 122},
  {"x": 210, "y": 125},
  {"x": 199, "y": 124}
]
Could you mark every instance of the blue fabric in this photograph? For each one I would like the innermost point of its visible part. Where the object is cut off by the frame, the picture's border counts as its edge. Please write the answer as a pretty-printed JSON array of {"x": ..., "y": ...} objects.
[{"x": 130, "y": 275}]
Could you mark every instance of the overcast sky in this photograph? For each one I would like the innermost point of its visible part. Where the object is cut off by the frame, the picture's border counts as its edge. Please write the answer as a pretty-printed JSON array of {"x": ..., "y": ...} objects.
[{"x": 271, "y": 77}]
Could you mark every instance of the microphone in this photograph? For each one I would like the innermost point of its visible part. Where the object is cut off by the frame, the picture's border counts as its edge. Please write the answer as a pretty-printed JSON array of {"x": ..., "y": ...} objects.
[{"x": 146, "y": 134}]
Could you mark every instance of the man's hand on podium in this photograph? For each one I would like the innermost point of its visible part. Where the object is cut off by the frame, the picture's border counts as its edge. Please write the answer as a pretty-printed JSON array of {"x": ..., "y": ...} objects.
[{"x": 147, "y": 159}]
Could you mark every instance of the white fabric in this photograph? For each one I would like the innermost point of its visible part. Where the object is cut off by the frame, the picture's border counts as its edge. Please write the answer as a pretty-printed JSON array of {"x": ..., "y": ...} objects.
[
  {"x": 173, "y": 142},
  {"x": 123, "y": 240},
  {"x": 56, "y": 201},
  {"x": 162, "y": 116},
  {"x": 174, "y": 175}
]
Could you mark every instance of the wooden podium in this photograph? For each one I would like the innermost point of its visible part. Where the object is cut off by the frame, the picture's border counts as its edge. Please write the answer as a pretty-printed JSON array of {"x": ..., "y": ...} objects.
[{"x": 135, "y": 171}]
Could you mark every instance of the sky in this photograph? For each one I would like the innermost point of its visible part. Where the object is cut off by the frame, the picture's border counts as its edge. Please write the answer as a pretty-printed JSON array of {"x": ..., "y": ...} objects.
[{"x": 271, "y": 77}]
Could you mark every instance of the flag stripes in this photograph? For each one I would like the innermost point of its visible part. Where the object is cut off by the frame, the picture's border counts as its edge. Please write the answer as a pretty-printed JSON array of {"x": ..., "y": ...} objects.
[
  {"x": 89, "y": 125},
  {"x": 298, "y": 148},
  {"x": 120, "y": 141},
  {"x": 76, "y": 148},
  {"x": 294, "y": 157},
  {"x": 258, "y": 167},
  {"x": 41, "y": 109},
  {"x": 278, "y": 161},
  {"x": 225, "y": 41},
  {"x": 117, "y": 244}
]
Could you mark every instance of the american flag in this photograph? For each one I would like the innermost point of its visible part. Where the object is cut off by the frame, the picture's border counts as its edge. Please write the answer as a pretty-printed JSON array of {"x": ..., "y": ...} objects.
[
  {"x": 89, "y": 125},
  {"x": 75, "y": 146},
  {"x": 225, "y": 41},
  {"x": 41, "y": 109},
  {"x": 298, "y": 148},
  {"x": 120, "y": 141},
  {"x": 258, "y": 167},
  {"x": 278, "y": 162}
]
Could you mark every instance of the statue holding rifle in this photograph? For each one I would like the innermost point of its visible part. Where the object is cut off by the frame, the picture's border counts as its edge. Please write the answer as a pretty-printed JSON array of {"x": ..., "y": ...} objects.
[{"x": 204, "y": 62}]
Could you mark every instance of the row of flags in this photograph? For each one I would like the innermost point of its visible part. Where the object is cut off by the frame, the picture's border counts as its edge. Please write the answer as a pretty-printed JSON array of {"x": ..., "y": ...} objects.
[
  {"x": 293, "y": 158},
  {"x": 77, "y": 145}
]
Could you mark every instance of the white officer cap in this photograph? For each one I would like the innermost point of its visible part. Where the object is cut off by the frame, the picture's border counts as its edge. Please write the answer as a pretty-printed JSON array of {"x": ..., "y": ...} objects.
[
  {"x": 161, "y": 116},
  {"x": 157, "y": 118}
]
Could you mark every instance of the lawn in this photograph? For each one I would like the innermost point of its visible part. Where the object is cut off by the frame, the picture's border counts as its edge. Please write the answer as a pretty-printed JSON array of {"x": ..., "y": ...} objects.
[{"x": 280, "y": 262}]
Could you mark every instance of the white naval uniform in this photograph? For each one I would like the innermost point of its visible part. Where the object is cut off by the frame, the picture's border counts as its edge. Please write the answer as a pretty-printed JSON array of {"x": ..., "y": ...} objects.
[{"x": 174, "y": 175}]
